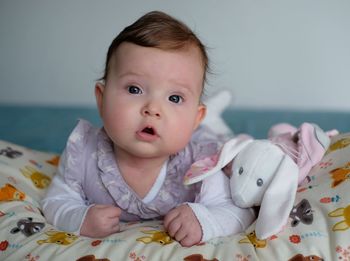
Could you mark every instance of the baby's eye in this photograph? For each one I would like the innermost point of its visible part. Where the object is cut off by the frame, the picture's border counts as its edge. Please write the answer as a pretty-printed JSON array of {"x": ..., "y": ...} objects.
[
  {"x": 175, "y": 98},
  {"x": 134, "y": 90}
]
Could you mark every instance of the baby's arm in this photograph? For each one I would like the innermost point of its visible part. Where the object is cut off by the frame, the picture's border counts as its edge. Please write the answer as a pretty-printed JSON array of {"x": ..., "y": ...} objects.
[
  {"x": 215, "y": 211},
  {"x": 65, "y": 209},
  {"x": 222, "y": 220},
  {"x": 182, "y": 224},
  {"x": 101, "y": 221}
]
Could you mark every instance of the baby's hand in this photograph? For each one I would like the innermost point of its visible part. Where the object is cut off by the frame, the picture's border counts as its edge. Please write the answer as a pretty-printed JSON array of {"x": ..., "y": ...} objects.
[
  {"x": 101, "y": 221},
  {"x": 182, "y": 224}
]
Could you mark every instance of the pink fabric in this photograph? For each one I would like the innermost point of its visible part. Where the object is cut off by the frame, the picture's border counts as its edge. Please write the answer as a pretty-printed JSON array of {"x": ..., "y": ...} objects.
[{"x": 304, "y": 145}]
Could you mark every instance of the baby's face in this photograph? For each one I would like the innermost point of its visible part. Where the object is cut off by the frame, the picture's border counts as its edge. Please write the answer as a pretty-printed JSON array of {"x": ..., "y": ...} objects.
[{"x": 150, "y": 103}]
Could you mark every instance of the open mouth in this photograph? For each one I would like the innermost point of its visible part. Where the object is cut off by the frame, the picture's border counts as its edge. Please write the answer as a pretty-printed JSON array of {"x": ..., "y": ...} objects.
[
  {"x": 147, "y": 134},
  {"x": 149, "y": 131}
]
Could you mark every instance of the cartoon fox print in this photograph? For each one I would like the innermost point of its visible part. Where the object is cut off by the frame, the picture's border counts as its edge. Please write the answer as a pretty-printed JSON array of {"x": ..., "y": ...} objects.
[
  {"x": 339, "y": 175},
  {"x": 9, "y": 192},
  {"x": 53, "y": 161}
]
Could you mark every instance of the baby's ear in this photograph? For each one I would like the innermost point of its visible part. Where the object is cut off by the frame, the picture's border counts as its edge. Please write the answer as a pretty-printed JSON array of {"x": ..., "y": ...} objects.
[
  {"x": 201, "y": 113},
  {"x": 99, "y": 89}
]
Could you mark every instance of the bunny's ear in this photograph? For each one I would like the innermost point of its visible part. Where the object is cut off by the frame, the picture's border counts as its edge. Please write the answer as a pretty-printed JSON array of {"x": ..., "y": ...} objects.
[
  {"x": 278, "y": 199},
  {"x": 210, "y": 165}
]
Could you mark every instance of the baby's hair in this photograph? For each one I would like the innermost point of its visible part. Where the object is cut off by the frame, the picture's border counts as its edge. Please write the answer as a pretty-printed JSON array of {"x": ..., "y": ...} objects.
[{"x": 159, "y": 30}]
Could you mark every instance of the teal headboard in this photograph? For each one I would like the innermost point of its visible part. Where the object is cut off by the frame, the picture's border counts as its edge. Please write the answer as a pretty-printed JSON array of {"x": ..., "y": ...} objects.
[
  {"x": 47, "y": 128},
  {"x": 258, "y": 122},
  {"x": 42, "y": 128}
]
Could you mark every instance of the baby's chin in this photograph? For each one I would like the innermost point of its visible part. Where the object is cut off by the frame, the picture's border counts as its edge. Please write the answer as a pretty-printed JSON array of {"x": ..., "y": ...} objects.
[
  {"x": 143, "y": 151},
  {"x": 149, "y": 150}
]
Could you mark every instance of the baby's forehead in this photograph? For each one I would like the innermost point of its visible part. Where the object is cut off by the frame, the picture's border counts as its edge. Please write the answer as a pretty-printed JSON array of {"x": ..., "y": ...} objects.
[{"x": 139, "y": 57}]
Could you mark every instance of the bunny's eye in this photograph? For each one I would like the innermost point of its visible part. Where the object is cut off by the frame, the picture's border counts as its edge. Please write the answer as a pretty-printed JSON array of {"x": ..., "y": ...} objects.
[
  {"x": 240, "y": 171},
  {"x": 259, "y": 182}
]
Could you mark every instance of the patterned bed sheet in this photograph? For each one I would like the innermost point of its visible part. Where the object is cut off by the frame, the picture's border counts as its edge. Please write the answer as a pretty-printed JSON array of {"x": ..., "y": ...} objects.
[{"x": 318, "y": 227}]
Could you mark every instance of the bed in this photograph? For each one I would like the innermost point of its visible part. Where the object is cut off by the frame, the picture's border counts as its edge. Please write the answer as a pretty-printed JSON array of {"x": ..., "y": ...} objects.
[{"x": 31, "y": 139}]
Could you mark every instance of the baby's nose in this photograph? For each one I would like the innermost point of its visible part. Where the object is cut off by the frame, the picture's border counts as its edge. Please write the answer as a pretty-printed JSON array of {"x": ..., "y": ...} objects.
[{"x": 151, "y": 109}]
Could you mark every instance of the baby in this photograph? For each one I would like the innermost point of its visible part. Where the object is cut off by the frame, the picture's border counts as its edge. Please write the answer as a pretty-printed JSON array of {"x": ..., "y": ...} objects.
[{"x": 132, "y": 168}]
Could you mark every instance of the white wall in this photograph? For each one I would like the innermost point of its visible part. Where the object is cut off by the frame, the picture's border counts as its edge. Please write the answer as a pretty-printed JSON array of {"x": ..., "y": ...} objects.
[{"x": 290, "y": 54}]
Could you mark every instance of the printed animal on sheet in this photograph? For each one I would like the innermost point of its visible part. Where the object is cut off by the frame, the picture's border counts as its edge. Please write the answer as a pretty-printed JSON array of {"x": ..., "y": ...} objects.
[
  {"x": 157, "y": 236},
  {"x": 59, "y": 238},
  {"x": 252, "y": 239},
  {"x": 28, "y": 227},
  {"x": 92, "y": 258},
  {"x": 9, "y": 192},
  {"x": 300, "y": 257},
  {"x": 198, "y": 257},
  {"x": 54, "y": 160},
  {"x": 11, "y": 153},
  {"x": 341, "y": 212},
  {"x": 339, "y": 175},
  {"x": 40, "y": 180},
  {"x": 339, "y": 144},
  {"x": 302, "y": 212}
]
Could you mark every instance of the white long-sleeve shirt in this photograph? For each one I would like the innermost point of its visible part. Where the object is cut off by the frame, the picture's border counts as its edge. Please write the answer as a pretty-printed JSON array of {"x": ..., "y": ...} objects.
[
  {"x": 88, "y": 175},
  {"x": 213, "y": 207}
]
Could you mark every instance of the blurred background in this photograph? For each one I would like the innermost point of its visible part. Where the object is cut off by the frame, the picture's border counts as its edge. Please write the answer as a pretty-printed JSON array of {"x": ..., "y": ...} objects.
[{"x": 270, "y": 53}]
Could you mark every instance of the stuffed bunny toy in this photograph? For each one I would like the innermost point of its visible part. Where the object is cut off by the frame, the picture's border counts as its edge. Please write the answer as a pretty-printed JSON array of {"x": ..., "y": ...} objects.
[
  {"x": 261, "y": 174},
  {"x": 265, "y": 173}
]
